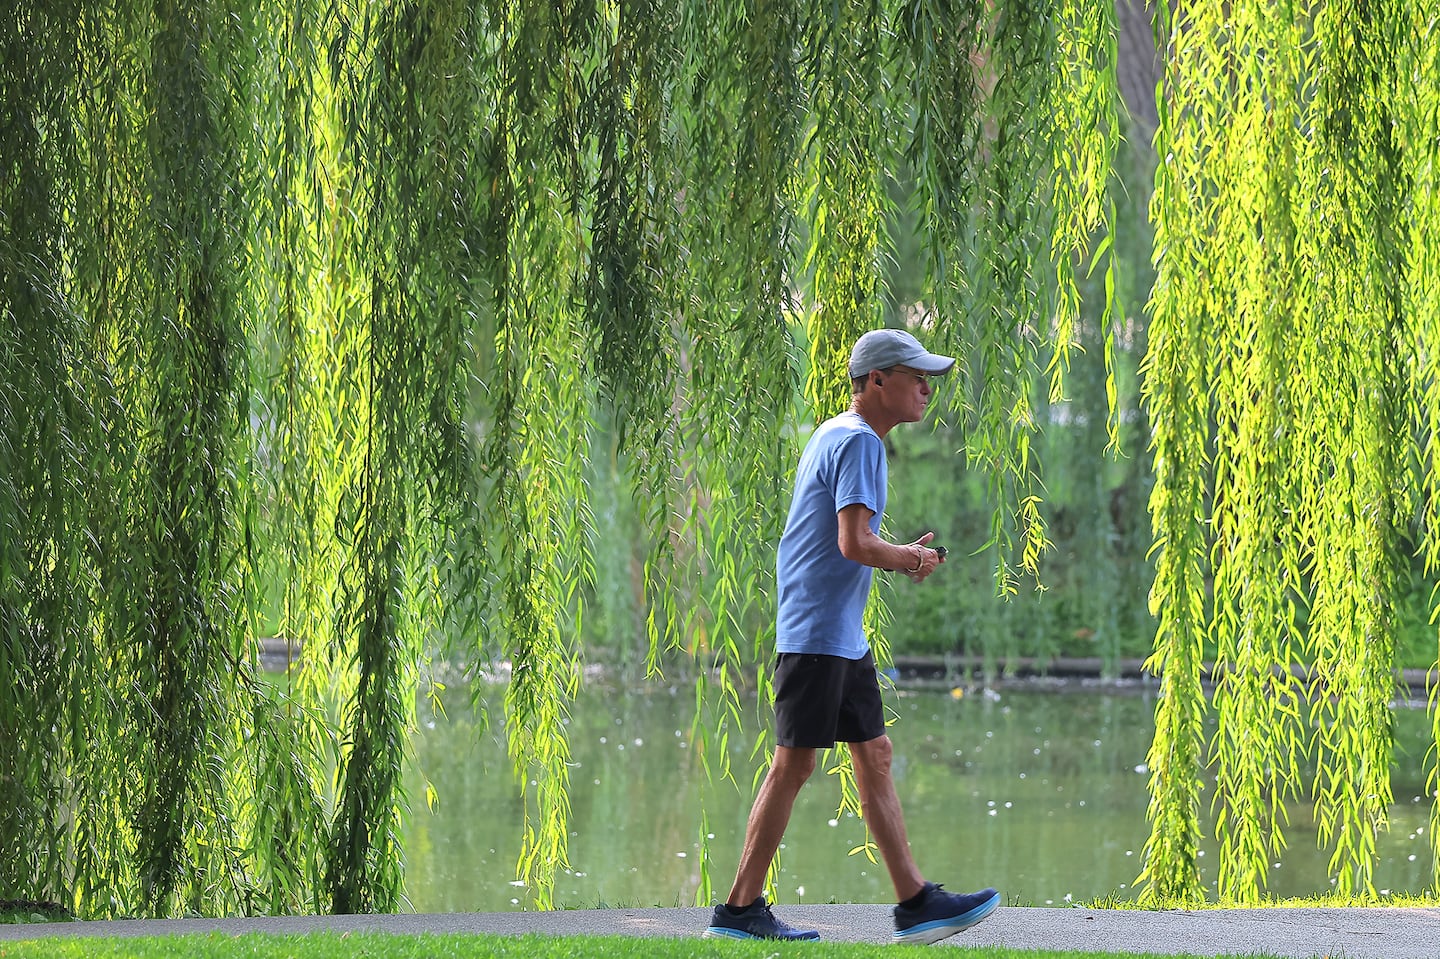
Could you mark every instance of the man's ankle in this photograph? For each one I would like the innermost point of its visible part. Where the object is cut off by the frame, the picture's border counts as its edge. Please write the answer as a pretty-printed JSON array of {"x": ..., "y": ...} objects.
[
  {"x": 915, "y": 901},
  {"x": 737, "y": 910}
]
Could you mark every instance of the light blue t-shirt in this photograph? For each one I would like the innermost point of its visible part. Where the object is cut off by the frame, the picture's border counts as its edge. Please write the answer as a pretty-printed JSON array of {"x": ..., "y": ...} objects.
[{"x": 823, "y": 594}]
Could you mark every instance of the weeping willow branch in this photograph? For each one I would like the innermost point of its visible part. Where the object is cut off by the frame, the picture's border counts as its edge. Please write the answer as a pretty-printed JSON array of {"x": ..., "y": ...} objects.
[
  {"x": 1359, "y": 251},
  {"x": 42, "y": 578},
  {"x": 311, "y": 423},
  {"x": 1418, "y": 73},
  {"x": 1011, "y": 307},
  {"x": 1085, "y": 96},
  {"x": 633, "y": 203},
  {"x": 542, "y": 414},
  {"x": 1282, "y": 211},
  {"x": 1260, "y": 736},
  {"x": 739, "y": 138},
  {"x": 843, "y": 71},
  {"x": 1176, "y": 394},
  {"x": 410, "y": 134}
]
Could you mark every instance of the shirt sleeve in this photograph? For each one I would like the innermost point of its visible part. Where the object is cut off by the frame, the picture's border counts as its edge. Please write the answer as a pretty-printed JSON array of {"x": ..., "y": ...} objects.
[{"x": 858, "y": 467}]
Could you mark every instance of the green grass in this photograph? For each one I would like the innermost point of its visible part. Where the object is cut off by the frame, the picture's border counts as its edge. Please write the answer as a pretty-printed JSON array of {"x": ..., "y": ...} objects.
[
  {"x": 359, "y": 945},
  {"x": 338, "y": 945}
]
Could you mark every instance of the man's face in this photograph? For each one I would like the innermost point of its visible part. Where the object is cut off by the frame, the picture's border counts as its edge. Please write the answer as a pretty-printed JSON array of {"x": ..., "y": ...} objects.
[{"x": 907, "y": 392}]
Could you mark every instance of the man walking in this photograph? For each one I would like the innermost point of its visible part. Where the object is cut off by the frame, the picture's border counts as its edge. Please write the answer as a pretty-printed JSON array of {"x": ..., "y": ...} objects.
[{"x": 826, "y": 689}]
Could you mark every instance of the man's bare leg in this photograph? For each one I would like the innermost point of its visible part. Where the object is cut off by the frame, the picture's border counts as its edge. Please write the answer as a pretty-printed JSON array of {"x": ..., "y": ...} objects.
[
  {"x": 881, "y": 808},
  {"x": 769, "y": 816}
]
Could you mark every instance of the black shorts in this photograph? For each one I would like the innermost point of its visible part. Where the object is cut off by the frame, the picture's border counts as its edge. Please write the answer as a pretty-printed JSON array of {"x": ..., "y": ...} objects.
[{"x": 822, "y": 700}]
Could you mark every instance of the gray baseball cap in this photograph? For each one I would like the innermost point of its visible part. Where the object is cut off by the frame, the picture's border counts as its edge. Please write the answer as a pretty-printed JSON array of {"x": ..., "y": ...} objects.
[{"x": 882, "y": 349}]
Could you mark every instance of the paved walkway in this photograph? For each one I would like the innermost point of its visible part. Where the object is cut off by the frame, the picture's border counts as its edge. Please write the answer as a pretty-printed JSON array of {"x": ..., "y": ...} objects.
[{"x": 1305, "y": 933}]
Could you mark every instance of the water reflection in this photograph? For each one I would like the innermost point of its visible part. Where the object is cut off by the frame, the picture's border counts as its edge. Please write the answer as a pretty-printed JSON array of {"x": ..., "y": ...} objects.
[{"x": 1039, "y": 793}]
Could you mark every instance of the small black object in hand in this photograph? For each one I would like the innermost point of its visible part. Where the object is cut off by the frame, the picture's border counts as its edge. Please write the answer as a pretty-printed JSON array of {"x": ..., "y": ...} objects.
[{"x": 942, "y": 551}]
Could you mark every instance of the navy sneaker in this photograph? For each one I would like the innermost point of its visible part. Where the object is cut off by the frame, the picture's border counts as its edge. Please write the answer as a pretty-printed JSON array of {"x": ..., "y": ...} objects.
[
  {"x": 942, "y": 914},
  {"x": 756, "y": 922}
]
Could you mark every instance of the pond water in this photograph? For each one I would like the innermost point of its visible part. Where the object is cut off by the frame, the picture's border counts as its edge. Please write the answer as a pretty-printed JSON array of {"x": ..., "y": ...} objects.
[{"x": 1038, "y": 792}]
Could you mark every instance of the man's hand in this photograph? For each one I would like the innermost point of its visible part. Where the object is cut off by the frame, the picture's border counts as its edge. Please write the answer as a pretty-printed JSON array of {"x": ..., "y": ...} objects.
[
  {"x": 926, "y": 559},
  {"x": 858, "y": 543}
]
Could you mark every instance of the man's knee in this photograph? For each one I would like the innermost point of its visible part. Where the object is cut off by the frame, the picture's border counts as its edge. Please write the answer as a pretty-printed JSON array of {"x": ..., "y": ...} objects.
[
  {"x": 793, "y": 764},
  {"x": 875, "y": 754}
]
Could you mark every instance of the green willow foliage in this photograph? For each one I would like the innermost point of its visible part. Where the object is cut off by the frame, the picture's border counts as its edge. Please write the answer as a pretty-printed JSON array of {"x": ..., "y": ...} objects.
[
  {"x": 314, "y": 312},
  {"x": 1292, "y": 395}
]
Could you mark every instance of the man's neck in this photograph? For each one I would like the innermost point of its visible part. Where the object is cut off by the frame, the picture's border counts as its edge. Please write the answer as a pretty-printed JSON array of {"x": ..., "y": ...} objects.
[{"x": 873, "y": 417}]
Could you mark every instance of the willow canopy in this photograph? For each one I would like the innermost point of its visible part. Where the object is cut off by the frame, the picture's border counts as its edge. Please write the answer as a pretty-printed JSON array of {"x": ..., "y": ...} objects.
[{"x": 325, "y": 308}]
